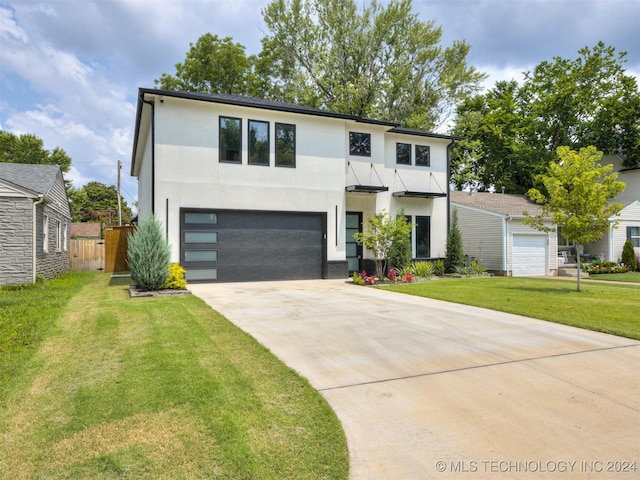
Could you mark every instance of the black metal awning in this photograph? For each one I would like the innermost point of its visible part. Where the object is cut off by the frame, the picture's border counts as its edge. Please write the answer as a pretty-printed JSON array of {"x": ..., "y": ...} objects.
[
  {"x": 366, "y": 188},
  {"x": 413, "y": 194}
]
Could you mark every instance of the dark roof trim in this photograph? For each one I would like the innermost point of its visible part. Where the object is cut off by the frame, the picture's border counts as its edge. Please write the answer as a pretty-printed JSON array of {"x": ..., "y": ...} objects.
[
  {"x": 422, "y": 133},
  {"x": 244, "y": 101},
  {"x": 412, "y": 194},
  {"x": 366, "y": 188}
]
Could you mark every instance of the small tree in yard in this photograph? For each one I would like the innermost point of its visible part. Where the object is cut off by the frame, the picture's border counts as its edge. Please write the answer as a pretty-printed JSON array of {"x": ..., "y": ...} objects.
[
  {"x": 579, "y": 191},
  {"x": 629, "y": 256},
  {"x": 382, "y": 232},
  {"x": 454, "y": 256},
  {"x": 148, "y": 255}
]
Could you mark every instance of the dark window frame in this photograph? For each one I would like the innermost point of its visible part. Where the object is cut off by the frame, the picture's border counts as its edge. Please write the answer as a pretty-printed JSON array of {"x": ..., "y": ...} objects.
[
  {"x": 419, "y": 235},
  {"x": 358, "y": 147},
  {"x": 265, "y": 162},
  {"x": 407, "y": 147},
  {"x": 222, "y": 139},
  {"x": 634, "y": 236},
  {"x": 278, "y": 150},
  {"x": 418, "y": 157}
]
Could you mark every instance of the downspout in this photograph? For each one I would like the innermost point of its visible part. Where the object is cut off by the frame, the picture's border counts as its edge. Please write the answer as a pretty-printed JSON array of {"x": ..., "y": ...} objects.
[
  {"x": 153, "y": 153},
  {"x": 35, "y": 236},
  {"x": 453, "y": 140},
  {"x": 505, "y": 239}
]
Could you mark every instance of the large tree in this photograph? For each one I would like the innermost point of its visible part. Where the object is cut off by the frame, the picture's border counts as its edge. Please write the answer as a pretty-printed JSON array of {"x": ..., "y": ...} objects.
[
  {"x": 97, "y": 202},
  {"x": 513, "y": 131},
  {"x": 376, "y": 61},
  {"x": 28, "y": 148},
  {"x": 578, "y": 199},
  {"x": 213, "y": 65}
]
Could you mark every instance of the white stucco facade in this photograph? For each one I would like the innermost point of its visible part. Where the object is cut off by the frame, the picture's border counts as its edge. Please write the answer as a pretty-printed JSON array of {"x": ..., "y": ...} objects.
[{"x": 177, "y": 162}]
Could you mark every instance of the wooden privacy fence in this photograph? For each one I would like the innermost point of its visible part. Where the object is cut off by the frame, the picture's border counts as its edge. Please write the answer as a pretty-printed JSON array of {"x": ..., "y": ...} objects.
[
  {"x": 109, "y": 254},
  {"x": 86, "y": 254},
  {"x": 116, "y": 241}
]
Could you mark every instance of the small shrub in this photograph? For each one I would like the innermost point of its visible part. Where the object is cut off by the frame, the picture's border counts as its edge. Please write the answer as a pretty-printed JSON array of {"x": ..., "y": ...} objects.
[
  {"x": 477, "y": 267},
  {"x": 176, "y": 280},
  {"x": 357, "y": 278},
  {"x": 407, "y": 277},
  {"x": 629, "y": 255},
  {"x": 464, "y": 271},
  {"x": 454, "y": 254},
  {"x": 600, "y": 267},
  {"x": 393, "y": 275},
  {"x": 422, "y": 269},
  {"x": 438, "y": 267}
]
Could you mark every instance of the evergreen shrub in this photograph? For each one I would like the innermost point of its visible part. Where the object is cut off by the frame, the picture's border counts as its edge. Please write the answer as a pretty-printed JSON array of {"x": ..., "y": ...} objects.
[{"x": 148, "y": 256}]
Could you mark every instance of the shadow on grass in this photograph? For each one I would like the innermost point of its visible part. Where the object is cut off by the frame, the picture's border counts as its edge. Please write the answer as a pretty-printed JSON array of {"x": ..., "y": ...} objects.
[{"x": 120, "y": 279}]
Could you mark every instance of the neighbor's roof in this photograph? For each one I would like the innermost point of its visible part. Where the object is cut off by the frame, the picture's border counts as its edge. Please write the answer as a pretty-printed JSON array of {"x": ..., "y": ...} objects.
[
  {"x": 37, "y": 178},
  {"x": 502, "y": 203},
  {"x": 85, "y": 229}
]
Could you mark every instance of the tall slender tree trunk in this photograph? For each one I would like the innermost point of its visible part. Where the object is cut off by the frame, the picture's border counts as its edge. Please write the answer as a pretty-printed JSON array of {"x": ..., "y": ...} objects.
[{"x": 579, "y": 267}]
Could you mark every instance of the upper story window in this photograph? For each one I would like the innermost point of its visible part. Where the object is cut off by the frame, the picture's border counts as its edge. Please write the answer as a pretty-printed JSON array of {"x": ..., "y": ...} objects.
[
  {"x": 230, "y": 140},
  {"x": 360, "y": 144},
  {"x": 258, "y": 142},
  {"x": 285, "y": 145},
  {"x": 423, "y": 156},
  {"x": 403, "y": 153}
]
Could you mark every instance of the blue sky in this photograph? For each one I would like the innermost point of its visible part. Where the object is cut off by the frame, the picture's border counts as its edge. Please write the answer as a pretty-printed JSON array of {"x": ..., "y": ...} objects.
[{"x": 70, "y": 69}]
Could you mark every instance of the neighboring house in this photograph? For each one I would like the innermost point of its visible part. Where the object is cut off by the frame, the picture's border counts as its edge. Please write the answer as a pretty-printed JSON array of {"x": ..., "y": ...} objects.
[
  {"x": 625, "y": 225},
  {"x": 34, "y": 223},
  {"x": 249, "y": 189},
  {"x": 86, "y": 230},
  {"x": 493, "y": 234}
]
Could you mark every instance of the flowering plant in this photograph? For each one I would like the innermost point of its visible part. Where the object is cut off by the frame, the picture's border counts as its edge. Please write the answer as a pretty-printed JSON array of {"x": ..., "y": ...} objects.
[
  {"x": 392, "y": 275},
  {"x": 407, "y": 277}
]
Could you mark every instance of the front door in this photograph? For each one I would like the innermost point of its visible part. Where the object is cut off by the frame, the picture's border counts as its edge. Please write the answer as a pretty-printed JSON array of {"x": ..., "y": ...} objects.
[{"x": 354, "y": 251}]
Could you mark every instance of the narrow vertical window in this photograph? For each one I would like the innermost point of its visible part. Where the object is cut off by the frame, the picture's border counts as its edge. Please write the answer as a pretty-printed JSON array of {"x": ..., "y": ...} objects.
[
  {"x": 258, "y": 142},
  {"x": 45, "y": 233},
  {"x": 423, "y": 237},
  {"x": 285, "y": 145},
  {"x": 403, "y": 153},
  {"x": 58, "y": 238},
  {"x": 423, "y": 156},
  {"x": 65, "y": 238},
  {"x": 230, "y": 140}
]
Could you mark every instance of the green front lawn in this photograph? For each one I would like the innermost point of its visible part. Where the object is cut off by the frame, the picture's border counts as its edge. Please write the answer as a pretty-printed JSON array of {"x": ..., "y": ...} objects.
[
  {"x": 599, "y": 306},
  {"x": 617, "y": 277},
  {"x": 160, "y": 387}
]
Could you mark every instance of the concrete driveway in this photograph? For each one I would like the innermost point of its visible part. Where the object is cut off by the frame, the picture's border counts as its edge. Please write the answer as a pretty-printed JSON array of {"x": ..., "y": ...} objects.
[{"x": 430, "y": 389}]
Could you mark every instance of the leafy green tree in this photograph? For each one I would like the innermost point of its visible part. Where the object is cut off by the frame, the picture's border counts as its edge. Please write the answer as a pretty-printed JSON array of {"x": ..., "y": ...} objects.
[
  {"x": 213, "y": 65},
  {"x": 629, "y": 255},
  {"x": 578, "y": 199},
  {"x": 28, "y": 148},
  {"x": 97, "y": 202},
  {"x": 381, "y": 233},
  {"x": 454, "y": 254},
  {"x": 512, "y": 132},
  {"x": 378, "y": 61},
  {"x": 148, "y": 255}
]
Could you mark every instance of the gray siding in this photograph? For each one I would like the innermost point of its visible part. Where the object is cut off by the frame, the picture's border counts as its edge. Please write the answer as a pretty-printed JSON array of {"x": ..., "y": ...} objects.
[
  {"x": 482, "y": 236},
  {"x": 16, "y": 237},
  {"x": 55, "y": 261}
]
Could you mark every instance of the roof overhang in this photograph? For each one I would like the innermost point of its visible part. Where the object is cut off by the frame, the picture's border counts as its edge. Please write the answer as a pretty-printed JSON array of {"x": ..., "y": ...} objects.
[
  {"x": 366, "y": 189},
  {"x": 414, "y": 194}
]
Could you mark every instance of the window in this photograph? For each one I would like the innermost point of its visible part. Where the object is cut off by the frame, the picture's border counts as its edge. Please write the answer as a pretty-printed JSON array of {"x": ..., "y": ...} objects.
[
  {"x": 423, "y": 237},
  {"x": 285, "y": 145},
  {"x": 258, "y": 142},
  {"x": 403, "y": 153},
  {"x": 65, "y": 238},
  {"x": 45, "y": 233},
  {"x": 360, "y": 144},
  {"x": 423, "y": 155},
  {"x": 230, "y": 140},
  {"x": 58, "y": 236},
  {"x": 633, "y": 234},
  {"x": 562, "y": 242}
]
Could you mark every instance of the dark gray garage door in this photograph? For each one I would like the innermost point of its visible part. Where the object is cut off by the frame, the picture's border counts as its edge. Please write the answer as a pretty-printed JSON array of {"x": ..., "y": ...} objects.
[{"x": 238, "y": 246}]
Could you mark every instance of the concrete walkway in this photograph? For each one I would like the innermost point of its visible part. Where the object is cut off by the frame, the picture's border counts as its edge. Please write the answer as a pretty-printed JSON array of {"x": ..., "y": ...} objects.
[{"x": 430, "y": 389}]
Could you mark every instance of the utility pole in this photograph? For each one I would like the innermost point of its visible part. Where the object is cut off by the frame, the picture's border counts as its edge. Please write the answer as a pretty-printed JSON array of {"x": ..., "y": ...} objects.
[{"x": 119, "y": 201}]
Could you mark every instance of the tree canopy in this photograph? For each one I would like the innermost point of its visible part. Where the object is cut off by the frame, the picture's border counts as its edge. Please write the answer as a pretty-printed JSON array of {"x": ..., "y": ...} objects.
[
  {"x": 578, "y": 199},
  {"x": 28, "y": 148},
  {"x": 375, "y": 61},
  {"x": 513, "y": 131},
  {"x": 97, "y": 202}
]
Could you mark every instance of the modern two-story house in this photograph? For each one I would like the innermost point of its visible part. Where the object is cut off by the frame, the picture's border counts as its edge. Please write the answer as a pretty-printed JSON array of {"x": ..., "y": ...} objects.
[{"x": 248, "y": 189}]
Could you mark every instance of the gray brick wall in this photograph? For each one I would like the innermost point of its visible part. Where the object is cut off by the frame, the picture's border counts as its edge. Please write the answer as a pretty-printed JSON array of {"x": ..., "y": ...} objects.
[
  {"x": 54, "y": 262},
  {"x": 16, "y": 237}
]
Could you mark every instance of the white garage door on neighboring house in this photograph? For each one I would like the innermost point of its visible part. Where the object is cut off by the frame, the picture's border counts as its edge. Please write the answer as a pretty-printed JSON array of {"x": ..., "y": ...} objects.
[{"x": 529, "y": 256}]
